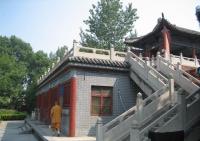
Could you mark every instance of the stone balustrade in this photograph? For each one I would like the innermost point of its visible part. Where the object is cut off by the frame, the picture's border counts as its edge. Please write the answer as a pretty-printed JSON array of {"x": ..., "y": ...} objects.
[
  {"x": 88, "y": 52},
  {"x": 184, "y": 79},
  {"x": 185, "y": 61}
]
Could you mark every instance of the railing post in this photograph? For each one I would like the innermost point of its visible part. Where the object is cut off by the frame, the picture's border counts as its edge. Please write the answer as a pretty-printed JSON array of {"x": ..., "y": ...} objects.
[
  {"x": 181, "y": 99},
  {"x": 53, "y": 65},
  {"x": 140, "y": 55},
  {"x": 171, "y": 89},
  {"x": 58, "y": 60},
  {"x": 196, "y": 61},
  {"x": 139, "y": 106},
  {"x": 146, "y": 66},
  {"x": 147, "y": 60},
  {"x": 135, "y": 131},
  {"x": 179, "y": 71},
  {"x": 112, "y": 52},
  {"x": 152, "y": 61},
  {"x": 75, "y": 43},
  {"x": 171, "y": 59},
  {"x": 128, "y": 55},
  {"x": 99, "y": 131},
  {"x": 179, "y": 66},
  {"x": 181, "y": 58},
  {"x": 158, "y": 61}
]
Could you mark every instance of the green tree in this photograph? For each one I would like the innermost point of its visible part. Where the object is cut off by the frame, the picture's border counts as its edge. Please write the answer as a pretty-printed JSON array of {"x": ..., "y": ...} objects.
[
  {"x": 39, "y": 63},
  {"x": 12, "y": 75},
  {"x": 59, "y": 53},
  {"x": 20, "y": 68},
  {"x": 108, "y": 24}
]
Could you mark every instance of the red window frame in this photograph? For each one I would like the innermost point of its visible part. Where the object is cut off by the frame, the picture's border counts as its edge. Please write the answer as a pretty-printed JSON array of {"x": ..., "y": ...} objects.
[{"x": 101, "y": 96}]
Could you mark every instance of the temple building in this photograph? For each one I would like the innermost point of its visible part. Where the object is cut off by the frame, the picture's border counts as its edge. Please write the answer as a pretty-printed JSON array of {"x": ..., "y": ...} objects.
[
  {"x": 169, "y": 39},
  {"x": 89, "y": 83},
  {"x": 123, "y": 96},
  {"x": 181, "y": 40}
]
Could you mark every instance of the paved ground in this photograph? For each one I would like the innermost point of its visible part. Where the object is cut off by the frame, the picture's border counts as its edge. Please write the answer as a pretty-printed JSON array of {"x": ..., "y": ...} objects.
[
  {"x": 46, "y": 134},
  {"x": 11, "y": 131}
]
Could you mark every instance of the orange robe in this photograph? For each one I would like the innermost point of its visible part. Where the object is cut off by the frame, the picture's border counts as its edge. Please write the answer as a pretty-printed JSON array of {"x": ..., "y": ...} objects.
[{"x": 56, "y": 112}]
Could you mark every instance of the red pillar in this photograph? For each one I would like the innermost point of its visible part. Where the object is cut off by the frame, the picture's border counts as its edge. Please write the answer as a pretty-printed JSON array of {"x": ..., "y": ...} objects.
[
  {"x": 193, "y": 52},
  {"x": 166, "y": 38},
  {"x": 72, "y": 110}
]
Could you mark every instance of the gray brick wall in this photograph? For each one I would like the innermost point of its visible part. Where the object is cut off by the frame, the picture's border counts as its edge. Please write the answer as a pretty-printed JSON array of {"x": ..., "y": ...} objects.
[{"x": 124, "y": 94}]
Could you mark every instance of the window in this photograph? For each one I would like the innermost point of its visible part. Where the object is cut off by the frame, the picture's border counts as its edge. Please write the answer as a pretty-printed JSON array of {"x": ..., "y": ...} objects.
[{"x": 101, "y": 101}]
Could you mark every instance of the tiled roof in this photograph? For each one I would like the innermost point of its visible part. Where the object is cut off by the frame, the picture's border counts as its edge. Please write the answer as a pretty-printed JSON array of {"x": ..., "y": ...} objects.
[
  {"x": 157, "y": 30},
  {"x": 76, "y": 61},
  {"x": 94, "y": 61}
]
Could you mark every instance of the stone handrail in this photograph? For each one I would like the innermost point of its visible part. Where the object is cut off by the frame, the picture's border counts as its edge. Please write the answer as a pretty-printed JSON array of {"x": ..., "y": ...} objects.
[
  {"x": 192, "y": 109},
  {"x": 187, "y": 75},
  {"x": 159, "y": 121},
  {"x": 119, "y": 119},
  {"x": 150, "y": 70},
  {"x": 99, "y": 53},
  {"x": 193, "y": 62},
  {"x": 190, "y": 99},
  {"x": 155, "y": 95},
  {"x": 124, "y": 120},
  {"x": 152, "y": 103},
  {"x": 86, "y": 52},
  {"x": 186, "y": 58},
  {"x": 182, "y": 78},
  {"x": 190, "y": 77}
]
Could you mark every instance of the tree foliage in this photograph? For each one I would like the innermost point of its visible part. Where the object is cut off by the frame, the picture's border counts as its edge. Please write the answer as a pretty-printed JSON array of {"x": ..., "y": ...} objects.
[
  {"x": 108, "y": 24},
  {"x": 59, "y": 53},
  {"x": 19, "y": 69}
]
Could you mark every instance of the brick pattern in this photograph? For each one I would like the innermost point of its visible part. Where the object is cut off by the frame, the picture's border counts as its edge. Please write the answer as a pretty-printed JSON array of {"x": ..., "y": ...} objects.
[{"x": 124, "y": 94}]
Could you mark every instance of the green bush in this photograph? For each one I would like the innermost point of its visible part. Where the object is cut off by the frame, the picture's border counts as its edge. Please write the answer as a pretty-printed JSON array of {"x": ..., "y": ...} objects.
[
  {"x": 86, "y": 50},
  {"x": 102, "y": 52},
  {"x": 11, "y": 115}
]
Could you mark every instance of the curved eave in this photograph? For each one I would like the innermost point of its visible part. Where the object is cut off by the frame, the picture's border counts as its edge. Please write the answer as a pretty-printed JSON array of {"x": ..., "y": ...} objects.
[{"x": 150, "y": 37}]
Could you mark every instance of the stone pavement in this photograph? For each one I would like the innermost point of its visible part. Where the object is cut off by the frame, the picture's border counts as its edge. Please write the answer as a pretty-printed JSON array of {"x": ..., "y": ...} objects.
[
  {"x": 12, "y": 131},
  {"x": 44, "y": 133}
]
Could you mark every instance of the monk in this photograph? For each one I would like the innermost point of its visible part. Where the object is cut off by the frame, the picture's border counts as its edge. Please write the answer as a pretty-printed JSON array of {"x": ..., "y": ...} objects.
[{"x": 55, "y": 115}]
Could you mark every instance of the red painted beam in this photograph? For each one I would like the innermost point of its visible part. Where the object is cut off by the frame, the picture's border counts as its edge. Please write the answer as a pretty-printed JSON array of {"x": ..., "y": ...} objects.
[{"x": 72, "y": 110}]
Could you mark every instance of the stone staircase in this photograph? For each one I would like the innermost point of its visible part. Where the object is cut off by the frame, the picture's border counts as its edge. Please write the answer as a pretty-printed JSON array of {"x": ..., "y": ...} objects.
[
  {"x": 144, "y": 75},
  {"x": 166, "y": 108},
  {"x": 182, "y": 78}
]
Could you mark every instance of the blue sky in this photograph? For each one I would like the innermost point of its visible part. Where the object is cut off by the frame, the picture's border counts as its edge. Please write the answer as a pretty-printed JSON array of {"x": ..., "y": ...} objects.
[{"x": 47, "y": 24}]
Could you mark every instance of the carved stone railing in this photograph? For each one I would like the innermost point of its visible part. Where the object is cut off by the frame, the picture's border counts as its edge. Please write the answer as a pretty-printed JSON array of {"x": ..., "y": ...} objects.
[
  {"x": 99, "y": 53},
  {"x": 192, "y": 62},
  {"x": 121, "y": 125},
  {"x": 159, "y": 122},
  {"x": 146, "y": 71},
  {"x": 81, "y": 51},
  {"x": 184, "y": 79},
  {"x": 192, "y": 109}
]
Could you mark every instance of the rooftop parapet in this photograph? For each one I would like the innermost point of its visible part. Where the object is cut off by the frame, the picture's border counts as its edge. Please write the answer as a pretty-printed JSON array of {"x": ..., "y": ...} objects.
[{"x": 87, "y": 52}]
